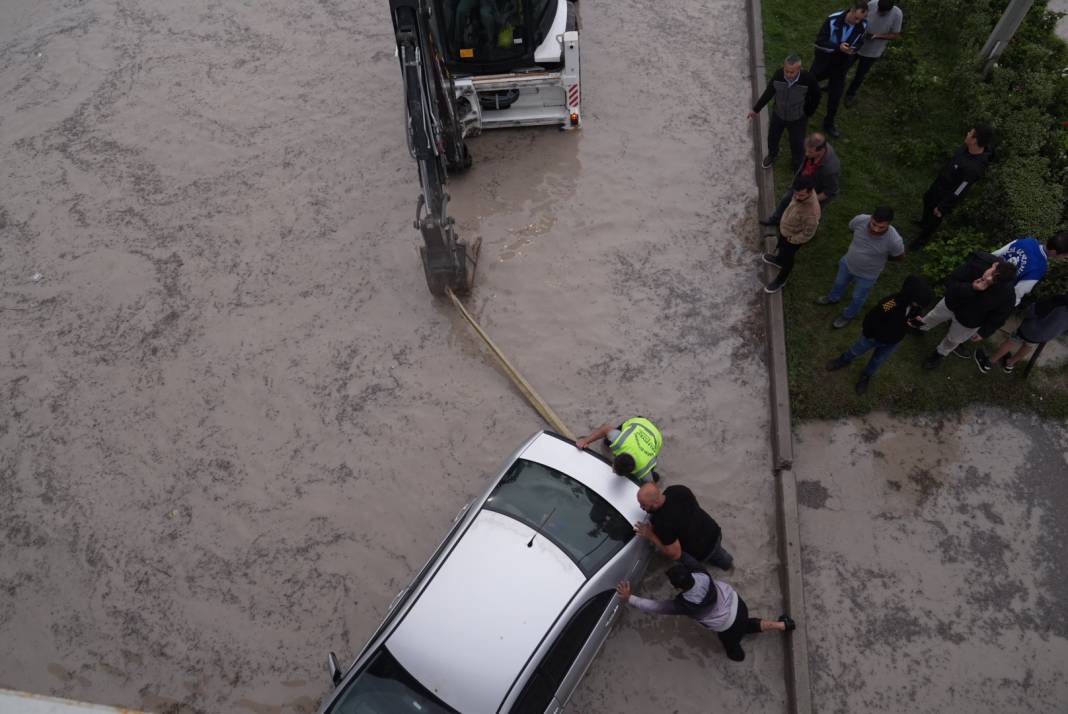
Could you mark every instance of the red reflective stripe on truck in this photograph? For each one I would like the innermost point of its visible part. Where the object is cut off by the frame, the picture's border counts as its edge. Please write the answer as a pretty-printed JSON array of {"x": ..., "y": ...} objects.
[{"x": 573, "y": 95}]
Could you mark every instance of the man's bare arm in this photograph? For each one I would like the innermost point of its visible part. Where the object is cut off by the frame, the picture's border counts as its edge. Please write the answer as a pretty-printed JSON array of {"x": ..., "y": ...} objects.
[{"x": 598, "y": 433}]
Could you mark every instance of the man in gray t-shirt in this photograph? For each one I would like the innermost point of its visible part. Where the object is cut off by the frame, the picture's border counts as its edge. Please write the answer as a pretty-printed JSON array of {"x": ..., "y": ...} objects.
[
  {"x": 874, "y": 240},
  {"x": 884, "y": 25}
]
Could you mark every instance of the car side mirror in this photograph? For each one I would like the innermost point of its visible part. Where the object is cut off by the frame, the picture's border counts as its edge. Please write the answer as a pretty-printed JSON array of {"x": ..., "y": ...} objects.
[{"x": 335, "y": 670}]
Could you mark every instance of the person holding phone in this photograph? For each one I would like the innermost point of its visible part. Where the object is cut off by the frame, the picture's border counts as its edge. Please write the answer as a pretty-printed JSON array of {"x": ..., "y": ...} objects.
[
  {"x": 884, "y": 24},
  {"x": 840, "y": 37}
]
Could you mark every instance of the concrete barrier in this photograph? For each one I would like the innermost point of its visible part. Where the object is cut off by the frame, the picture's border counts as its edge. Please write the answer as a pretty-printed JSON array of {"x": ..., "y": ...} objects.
[{"x": 798, "y": 686}]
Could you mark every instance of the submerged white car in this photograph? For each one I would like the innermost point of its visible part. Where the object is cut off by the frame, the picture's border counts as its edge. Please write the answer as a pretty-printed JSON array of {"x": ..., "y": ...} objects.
[{"x": 514, "y": 604}]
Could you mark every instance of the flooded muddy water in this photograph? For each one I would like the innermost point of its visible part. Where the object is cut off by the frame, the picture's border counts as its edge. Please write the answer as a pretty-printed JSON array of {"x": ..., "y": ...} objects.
[{"x": 233, "y": 421}]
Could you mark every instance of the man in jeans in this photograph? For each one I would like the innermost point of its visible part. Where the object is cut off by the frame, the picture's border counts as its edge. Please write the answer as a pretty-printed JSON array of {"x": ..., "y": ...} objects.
[
  {"x": 799, "y": 223},
  {"x": 884, "y": 328},
  {"x": 797, "y": 95},
  {"x": 822, "y": 165},
  {"x": 884, "y": 24},
  {"x": 874, "y": 240},
  {"x": 979, "y": 298},
  {"x": 677, "y": 525}
]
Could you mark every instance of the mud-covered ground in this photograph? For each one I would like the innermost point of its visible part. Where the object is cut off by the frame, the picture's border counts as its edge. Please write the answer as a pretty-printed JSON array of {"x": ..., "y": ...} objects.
[
  {"x": 233, "y": 422},
  {"x": 934, "y": 554}
]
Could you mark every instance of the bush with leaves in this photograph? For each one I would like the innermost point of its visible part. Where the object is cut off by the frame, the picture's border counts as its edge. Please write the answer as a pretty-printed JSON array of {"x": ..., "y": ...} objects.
[{"x": 943, "y": 255}]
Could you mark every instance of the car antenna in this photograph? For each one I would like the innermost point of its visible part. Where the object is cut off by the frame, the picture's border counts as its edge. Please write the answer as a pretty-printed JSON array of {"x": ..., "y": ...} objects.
[{"x": 531, "y": 543}]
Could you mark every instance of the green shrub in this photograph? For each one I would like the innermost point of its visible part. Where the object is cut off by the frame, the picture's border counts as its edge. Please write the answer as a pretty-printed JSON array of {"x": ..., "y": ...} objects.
[
  {"x": 1019, "y": 197},
  {"x": 948, "y": 250},
  {"x": 1055, "y": 282}
]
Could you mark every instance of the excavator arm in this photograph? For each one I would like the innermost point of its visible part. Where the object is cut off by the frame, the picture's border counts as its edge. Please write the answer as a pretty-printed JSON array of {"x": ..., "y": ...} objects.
[{"x": 435, "y": 141}]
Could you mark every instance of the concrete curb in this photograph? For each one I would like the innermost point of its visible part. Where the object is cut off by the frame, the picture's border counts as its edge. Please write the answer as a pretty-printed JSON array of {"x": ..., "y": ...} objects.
[{"x": 798, "y": 685}]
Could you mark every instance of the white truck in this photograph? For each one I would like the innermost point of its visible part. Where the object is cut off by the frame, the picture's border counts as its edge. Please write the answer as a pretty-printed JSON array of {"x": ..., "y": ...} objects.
[{"x": 470, "y": 65}]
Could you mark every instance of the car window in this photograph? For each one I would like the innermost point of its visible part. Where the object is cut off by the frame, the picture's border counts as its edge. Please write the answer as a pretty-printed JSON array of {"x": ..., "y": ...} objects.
[
  {"x": 561, "y": 656},
  {"x": 383, "y": 686},
  {"x": 582, "y": 523}
]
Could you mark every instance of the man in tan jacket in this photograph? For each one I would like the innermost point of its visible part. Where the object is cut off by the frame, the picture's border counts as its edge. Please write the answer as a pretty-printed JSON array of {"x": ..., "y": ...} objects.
[{"x": 797, "y": 226}]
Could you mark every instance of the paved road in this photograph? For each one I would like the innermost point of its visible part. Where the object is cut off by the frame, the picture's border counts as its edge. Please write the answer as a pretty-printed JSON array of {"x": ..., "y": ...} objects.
[
  {"x": 933, "y": 554},
  {"x": 1062, "y": 25},
  {"x": 234, "y": 422}
]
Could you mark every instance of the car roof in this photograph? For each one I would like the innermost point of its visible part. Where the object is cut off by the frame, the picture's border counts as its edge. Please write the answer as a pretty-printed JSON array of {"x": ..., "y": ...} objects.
[
  {"x": 585, "y": 467},
  {"x": 482, "y": 615}
]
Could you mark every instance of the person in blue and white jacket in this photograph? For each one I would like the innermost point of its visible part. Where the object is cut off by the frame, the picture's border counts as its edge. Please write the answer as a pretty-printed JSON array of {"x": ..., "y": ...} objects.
[{"x": 1032, "y": 259}]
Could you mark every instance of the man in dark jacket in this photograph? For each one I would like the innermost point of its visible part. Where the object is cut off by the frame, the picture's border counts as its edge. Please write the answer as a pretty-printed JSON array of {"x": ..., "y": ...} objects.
[
  {"x": 797, "y": 95},
  {"x": 958, "y": 175},
  {"x": 714, "y": 604},
  {"x": 979, "y": 298},
  {"x": 821, "y": 163},
  {"x": 837, "y": 42},
  {"x": 884, "y": 328},
  {"x": 1044, "y": 321}
]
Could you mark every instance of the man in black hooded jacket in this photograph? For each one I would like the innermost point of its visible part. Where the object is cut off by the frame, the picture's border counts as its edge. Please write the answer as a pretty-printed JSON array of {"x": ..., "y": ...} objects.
[
  {"x": 713, "y": 603},
  {"x": 979, "y": 298},
  {"x": 884, "y": 328}
]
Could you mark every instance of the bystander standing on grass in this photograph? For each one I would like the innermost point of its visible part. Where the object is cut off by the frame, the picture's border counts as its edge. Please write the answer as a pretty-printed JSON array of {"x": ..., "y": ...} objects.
[
  {"x": 957, "y": 176},
  {"x": 799, "y": 223},
  {"x": 837, "y": 42},
  {"x": 797, "y": 96},
  {"x": 874, "y": 241},
  {"x": 884, "y": 24},
  {"x": 1045, "y": 320},
  {"x": 979, "y": 298},
  {"x": 884, "y": 327}
]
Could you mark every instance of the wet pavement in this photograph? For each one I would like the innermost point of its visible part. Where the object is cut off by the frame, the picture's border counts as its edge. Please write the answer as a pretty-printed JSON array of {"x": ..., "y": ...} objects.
[
  {"x": 233, "y": 420},
  {"x": 933, "y": 553}
]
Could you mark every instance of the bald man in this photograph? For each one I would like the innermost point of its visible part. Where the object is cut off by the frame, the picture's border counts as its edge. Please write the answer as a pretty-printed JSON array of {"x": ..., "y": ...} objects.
[{"x": 677, "y": 525}]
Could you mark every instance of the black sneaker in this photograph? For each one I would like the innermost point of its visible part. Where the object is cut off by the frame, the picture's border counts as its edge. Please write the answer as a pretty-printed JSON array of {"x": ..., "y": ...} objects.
[
  {"x": 836, "y": 364},
  {"x": 774, "y": 286},
  {"x": 861, "y": 387},
  {"x": 789, "y": 622},
  {"x": 772, "y": 260},
  {"x": 736, "y": 653},
  {"x": 832, "y": 131},
  {"x": 824, "y": 300},
  {"x": 933, "y": 360},
  {"x": 768, "y": 162},
  {"x": 963, "y": 351},
  {"x": 1005, "y": 366},
  {"x": 983, "y": 361},
  {"x": 840, "y": 322}
]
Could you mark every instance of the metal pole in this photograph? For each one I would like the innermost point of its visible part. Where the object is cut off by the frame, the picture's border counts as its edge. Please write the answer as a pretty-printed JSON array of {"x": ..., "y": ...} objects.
[
  {"x": 1034, "y": 358},
  {"x": 1001, "y": 36}
]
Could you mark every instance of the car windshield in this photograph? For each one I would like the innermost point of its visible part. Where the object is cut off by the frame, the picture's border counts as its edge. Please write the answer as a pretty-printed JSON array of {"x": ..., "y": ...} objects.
[
  {"x": 384, "y": 687},
  {"x": 579, "y": 521}
]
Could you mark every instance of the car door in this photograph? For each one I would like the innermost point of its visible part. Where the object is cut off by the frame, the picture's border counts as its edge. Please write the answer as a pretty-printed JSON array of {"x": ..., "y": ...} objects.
[
  {"x": 555, "y": 677},
  {"x": 594, "y": 641}
]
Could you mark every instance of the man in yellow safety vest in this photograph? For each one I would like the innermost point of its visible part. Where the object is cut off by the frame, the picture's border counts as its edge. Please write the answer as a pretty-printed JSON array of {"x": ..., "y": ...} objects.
[{"x": 634, "y": 445}]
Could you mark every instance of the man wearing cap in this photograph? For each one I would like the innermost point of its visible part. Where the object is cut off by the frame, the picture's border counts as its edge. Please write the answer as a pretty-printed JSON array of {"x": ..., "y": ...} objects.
[{"x": 634, "y": 444}]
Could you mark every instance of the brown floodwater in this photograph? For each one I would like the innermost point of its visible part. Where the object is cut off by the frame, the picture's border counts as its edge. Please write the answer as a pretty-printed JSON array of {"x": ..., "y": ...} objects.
[{"x": 234, "y": 422}]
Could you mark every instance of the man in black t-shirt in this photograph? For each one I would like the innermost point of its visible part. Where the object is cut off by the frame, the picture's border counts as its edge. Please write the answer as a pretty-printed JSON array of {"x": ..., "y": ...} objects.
[{"x": 678, "y": 524}]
